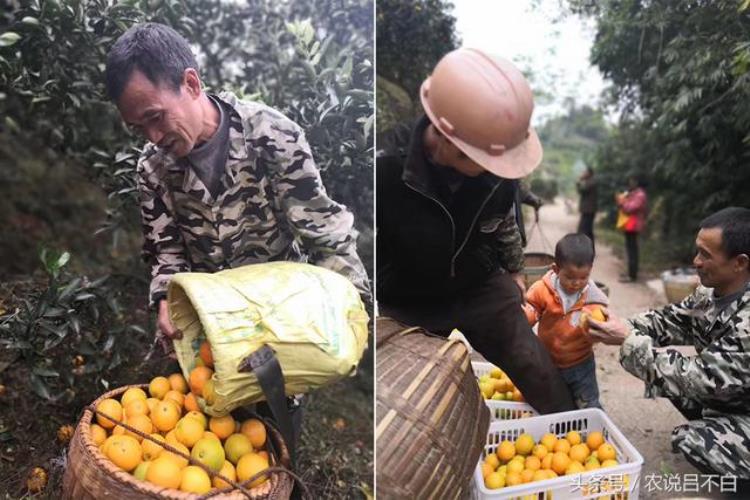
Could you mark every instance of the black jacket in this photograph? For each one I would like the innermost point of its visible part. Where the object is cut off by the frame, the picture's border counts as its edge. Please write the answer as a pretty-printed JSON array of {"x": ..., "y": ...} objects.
[{"x": 429, "y": 247}]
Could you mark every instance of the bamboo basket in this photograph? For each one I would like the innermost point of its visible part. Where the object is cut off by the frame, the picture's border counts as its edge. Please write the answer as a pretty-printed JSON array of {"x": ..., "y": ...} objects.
[
  {"x": 431, "y": 419},
  {"x": 679, "y": 283},
  {"x": 536, "y": 265},
  {"x": 89, "y": 475}
]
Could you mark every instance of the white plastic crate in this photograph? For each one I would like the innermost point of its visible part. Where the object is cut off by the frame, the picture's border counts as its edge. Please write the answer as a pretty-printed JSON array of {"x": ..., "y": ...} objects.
[
  {"x": 502, "y": 410},
  {"x": 576, "y": 485}
]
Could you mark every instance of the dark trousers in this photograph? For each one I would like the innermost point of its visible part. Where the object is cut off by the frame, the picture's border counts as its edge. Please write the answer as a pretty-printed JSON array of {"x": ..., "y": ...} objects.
[
  {"x": 586, "y": 225},
  {"x": 631, "y": 248},
  {"x": 491, "y": 318}
]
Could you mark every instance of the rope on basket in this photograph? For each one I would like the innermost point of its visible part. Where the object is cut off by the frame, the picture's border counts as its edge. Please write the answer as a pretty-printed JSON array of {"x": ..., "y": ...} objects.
[
  {"x": 211, "y": 472},
  {"x": 546, "y": 245}
]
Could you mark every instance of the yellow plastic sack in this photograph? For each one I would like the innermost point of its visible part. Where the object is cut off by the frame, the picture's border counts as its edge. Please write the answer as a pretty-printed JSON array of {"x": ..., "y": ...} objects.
[
  {"x": 311, "y": 317},
  {"x": 622, "y": 220}
]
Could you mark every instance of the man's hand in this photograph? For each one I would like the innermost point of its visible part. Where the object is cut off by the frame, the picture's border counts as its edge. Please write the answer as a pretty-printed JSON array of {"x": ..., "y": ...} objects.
[
  {"x": 165, "y": 324},
  {"x": 610, "y": 332},
  {"x": 519, "y": 279}
]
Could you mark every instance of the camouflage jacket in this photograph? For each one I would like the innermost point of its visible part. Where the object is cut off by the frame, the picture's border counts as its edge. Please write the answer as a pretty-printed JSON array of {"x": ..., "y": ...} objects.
[
  {"x": 718, "y": 377},
  {"x": 273, "y": 203}
]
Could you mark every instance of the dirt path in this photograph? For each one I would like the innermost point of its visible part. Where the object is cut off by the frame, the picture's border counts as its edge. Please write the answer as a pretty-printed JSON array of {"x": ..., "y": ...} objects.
[{"x": 647, "y": 423}]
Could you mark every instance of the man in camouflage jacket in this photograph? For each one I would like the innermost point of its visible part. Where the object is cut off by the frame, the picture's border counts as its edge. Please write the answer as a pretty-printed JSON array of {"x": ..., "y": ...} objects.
[
  {"x": 255, "y": 196},
  {"x": 711, "y": 388}
]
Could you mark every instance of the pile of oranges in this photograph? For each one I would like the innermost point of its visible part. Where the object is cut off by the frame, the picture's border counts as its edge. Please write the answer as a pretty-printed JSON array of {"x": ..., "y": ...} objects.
[
  {"x": 525, "y": 461},
  {"x": 171, "y": 414},
  {"x": 497, "y": 386}
]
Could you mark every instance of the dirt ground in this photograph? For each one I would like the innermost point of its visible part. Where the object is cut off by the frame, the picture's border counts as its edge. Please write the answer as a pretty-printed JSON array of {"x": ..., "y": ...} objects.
[{"x": 647, "y": 423}]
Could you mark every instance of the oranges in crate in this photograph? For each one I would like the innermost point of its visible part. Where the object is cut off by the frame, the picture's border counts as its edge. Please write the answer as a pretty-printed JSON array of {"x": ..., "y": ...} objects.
[
  {"x": 496, "y": 385},
  {"x": 168, "y": 412},
  {"x": 525, "y": 460}
]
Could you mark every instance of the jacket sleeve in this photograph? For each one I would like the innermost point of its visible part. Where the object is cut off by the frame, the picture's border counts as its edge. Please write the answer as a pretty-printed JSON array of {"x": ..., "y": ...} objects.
[
  {"x": 674, "y": 324},
  {"x": 163, "y": 247},
  {"x": 718, "y": 374},
  {"x": 324, "y": 227},
  {"x": 508, "y": 240},
  {"x": 535, "y": 304}
]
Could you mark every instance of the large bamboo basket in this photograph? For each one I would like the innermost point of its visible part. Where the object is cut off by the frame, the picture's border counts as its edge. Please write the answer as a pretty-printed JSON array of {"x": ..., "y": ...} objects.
[
  {"x": 535, "y": 266},
  {"x": 679, "y": 283},
  {"x": 431, "y": 419},
  {"x": 91, "y": 476}
]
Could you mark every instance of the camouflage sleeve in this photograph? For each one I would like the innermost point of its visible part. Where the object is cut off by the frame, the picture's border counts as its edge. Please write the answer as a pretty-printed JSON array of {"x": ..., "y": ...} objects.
[
  {"x": 324, "y": 227},
  {"x": 163, "y": 248},
  {"x": 718, "y": 374},
  {"x": 508, "y": 239},
  {"x": 673, "y": 324}
]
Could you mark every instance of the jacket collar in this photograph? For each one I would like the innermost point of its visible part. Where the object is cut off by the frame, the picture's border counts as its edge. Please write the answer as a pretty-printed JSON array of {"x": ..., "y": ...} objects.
[{"x": 592, "y": 294}]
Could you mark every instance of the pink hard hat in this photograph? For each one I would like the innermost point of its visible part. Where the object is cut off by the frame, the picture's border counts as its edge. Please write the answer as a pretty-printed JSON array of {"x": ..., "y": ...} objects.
[{"x": 483, "y": 105}]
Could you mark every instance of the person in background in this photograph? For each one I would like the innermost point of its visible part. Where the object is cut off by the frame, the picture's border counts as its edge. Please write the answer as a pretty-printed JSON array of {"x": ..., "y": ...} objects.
[
  {"x": 634, "y": 203},
  {"x": 587, "y": 205}
]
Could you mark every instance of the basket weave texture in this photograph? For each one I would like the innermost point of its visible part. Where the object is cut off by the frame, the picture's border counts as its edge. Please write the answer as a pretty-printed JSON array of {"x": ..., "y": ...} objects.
[
  {"x": 535, "y": 265},
  {"x": 91, "y": 476},
  {"x": 431, "y": 419}
]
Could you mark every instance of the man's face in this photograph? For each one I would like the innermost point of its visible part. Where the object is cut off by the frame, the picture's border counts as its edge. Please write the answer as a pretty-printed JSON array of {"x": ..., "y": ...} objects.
[
  {"x": 167, "y": 118},
  {"x": 714, "y": 267},
  {"x": 447, "y": 154},
  {"x": 572, "y": 278}
]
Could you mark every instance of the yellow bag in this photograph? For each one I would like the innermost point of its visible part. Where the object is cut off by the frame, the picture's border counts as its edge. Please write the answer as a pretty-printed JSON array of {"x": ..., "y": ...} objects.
[
  {"x": 622, "y": 220},
  {"x": 311, "y": 317}
]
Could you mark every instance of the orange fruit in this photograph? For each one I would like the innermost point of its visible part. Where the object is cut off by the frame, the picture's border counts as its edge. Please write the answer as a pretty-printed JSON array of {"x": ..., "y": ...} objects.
[
  {"x": 237, "y": 445},
  {"x": 200, "y": 417},
  {"x": 211, "y": 435},
  {"x": 517, "y": 396},
  {"x": 208, "y": 393},
  {"x": 487, "y": 470},
  {"x": 105, "y": 445},
  {"x": 547, "y": 461},
  {"x": 165, "y": 416},
  {"x": 513, "y": 478},
  {"x": 98, "y": 434},
  {"x": 164, "y": 472},
  {"x": 159, "y": 387},
  {"x": 193, "y": 479},
  {"x": 249, "y": 465},
  {"x": 515, "y": 466},
  {"x": 527, "y": 475},
  {"x": 575, "y": 468},
  {"x": 224, "y": 427},
  {"x": 125, "y": 452},
  {"x": 179, "y": 460},
  {"x": 539, "y": 475},
  {"x": 592, "y": 464},
  {"x": 506, "y": 451},
  {"x": 255, "y": 432},
  {"x": 227, "y": 470},
  {"x": 264, "y": 454},
  {"x": 206, "y": 354},
  {"x": 137, "y": 407},
  {"x": 178, "y": 383},
  {"x": 579, "y": 452},
  {"x": 140, "y": 471},
  {"x": 609, "y": 463},
  {"x": 171, "y": 437},
  {"x": 533, "y": 463},
  {"x": 151, "y": 402},
  {"x": 198, "y": 378},
  {"x": 606, "y": 452},
  {"x": 132, "y": 394},
  {"x": 494, "y": 480},
  {"x": 175, "y": 396},
  {"x": 188, "y": 431},
  {"x": 141, "y": 423},
  {"x": 562, "y": 445},
  {"x": 540, "y": 451},
  {"x": 524, "y": 444},
  {"x": 191, "y": 403},
  {"x": 549, "y": 440},
  {"x": 560, "y": 462},
  {"x": 492, "y": 461},
  {"x": 573, "y": 437},
  {"x": 594, "y": 440},
  {"x": 152, "y": 450},
  {"x": 209, "y": 452},
  {"x": 111, "y": 408}
]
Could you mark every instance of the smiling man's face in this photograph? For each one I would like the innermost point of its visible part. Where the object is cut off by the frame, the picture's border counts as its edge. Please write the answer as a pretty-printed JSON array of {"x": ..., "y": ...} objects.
[{"x": 168, "y": 118}]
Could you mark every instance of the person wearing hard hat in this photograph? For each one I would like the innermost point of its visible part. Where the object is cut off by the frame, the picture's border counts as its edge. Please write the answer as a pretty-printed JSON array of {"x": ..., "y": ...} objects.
[{"x": 448, "y": 249}]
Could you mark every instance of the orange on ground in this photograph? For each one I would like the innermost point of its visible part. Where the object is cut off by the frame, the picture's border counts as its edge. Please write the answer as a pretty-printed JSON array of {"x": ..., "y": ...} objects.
[
  {"x": 198, "y": 378},
  {"x": 164, "y": 472},
  {"x": 178, "y": 383},
  {"x": 224, "y": 427},
  {"x": 206, "y": 354},
  {"x": 159, "y": 387},
  {"x": 111, "y": 408},
  {"x": 125, "y": 452},
  {"x": 560, "y": 462},
  {"x": 165, "y": 416},
  {"x": 255, "y": 432},
  {"x": 249, "y": 465}
]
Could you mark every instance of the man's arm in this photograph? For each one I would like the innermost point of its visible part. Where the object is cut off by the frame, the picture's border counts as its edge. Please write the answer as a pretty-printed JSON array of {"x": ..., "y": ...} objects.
[
  {"x": 508, "y": 241},
  {"x": 673, "y": 324},
  {"x": 324, "y": 227}
]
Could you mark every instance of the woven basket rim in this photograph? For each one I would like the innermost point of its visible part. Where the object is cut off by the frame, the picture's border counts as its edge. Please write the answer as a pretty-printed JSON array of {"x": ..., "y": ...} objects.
[{"x": 144, "y": 487}]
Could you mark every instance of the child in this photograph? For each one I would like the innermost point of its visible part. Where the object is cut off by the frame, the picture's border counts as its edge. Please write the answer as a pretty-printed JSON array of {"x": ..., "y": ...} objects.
[{"x": 557, "y": 302}]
